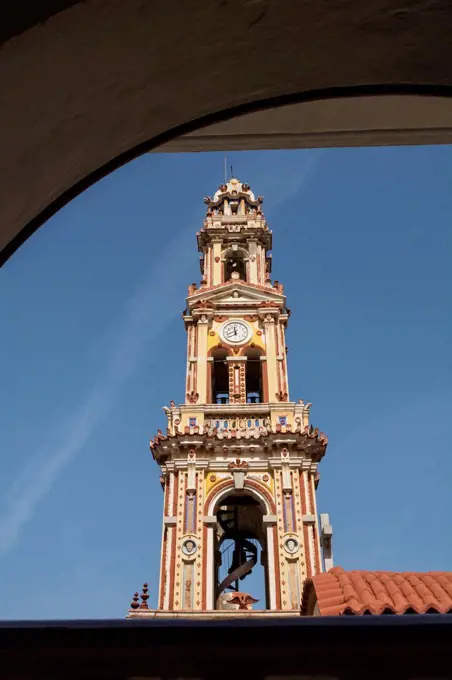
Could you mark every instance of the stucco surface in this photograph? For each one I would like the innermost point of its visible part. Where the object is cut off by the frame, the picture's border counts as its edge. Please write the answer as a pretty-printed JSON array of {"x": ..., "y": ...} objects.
[{"x": 87, "y": 86}]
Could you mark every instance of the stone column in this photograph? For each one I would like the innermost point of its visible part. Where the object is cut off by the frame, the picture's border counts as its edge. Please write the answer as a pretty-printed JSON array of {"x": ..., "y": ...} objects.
[
  {"x": 201, "y": 383},
  {"x": 282, "y": 358},
  {"x": 168, "y": 542},
  {"x": 237, "y": 379},
  {"x": 216, "y": 276},
  {"x": 190, "y": 347},
  {"x": 264, "y": 374},
  {"x": 209, "y": 585},
  {"x": 252, "y": 249},
  {"x": 272, "y": 368},
  {"x": 273, "y": 584}
]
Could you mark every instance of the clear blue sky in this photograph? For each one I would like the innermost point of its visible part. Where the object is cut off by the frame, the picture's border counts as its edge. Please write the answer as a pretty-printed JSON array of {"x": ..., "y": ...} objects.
[{"x": 92, "y": 346}]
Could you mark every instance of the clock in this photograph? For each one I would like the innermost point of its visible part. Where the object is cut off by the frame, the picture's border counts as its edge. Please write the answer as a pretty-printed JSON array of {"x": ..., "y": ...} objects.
[{"x": 236, "y": 332}]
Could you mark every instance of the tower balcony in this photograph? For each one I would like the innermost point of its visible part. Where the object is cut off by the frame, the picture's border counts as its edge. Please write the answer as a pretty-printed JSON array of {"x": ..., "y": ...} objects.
[
  {"x": 198, "y": 417},
  {"x": 237, "y": 416}
]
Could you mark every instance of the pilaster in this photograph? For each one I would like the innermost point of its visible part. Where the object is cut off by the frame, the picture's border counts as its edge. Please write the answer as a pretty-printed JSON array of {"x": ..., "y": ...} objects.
[
  {"x": 201, "y": 386},
  {"x": 237, "y": 380},
  {"x": 217, "y": 267},
  {"x": 270, "y": 344},
  {"x": 253, "y": 261}
]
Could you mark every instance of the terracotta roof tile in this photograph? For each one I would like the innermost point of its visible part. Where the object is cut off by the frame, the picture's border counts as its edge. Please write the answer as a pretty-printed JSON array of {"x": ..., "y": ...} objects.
[{"x": 339, "y": 592}]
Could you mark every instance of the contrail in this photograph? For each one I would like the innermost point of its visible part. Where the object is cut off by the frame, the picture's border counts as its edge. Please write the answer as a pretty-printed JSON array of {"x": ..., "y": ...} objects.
[{"x": 138, "y": 330}]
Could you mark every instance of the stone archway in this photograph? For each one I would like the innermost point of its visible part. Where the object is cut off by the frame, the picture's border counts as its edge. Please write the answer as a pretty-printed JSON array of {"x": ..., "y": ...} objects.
[
  {"x": 253, "y": 490},
  {"x": 90, "y": 85}
]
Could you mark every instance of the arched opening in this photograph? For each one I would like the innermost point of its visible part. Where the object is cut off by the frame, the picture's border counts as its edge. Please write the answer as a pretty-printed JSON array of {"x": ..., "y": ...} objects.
[
  {"x": 235, "y": 261},
  {"x": 254, "y": 381},
  {"x": 220, "y": 378},
  {"x": 240, "y": 554}
]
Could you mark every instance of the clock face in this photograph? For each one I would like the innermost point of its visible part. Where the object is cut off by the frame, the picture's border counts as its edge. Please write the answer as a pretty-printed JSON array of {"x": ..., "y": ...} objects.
[{"x": 236, "y": 332}]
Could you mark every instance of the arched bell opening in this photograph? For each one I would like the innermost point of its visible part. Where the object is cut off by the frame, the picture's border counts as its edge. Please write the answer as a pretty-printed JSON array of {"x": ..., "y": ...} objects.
[
  {"x": 219, "y": 377},
  {"x": 240, "y": 544},
  {"x": 254, "y": 376},
  {"x": 235, "y": 264}
]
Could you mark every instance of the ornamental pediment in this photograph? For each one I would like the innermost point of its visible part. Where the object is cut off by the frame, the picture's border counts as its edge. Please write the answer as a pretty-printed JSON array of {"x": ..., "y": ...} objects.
[{"x": 237, "y": 293}]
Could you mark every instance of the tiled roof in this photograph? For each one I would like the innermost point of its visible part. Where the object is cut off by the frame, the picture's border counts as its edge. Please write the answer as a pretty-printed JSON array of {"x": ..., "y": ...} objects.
[{"x": 378, "y": 592}]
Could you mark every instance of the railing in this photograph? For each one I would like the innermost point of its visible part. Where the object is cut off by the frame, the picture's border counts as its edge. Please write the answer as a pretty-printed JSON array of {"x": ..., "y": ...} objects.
[
  {"x": 228, "y": 422},
  {"x": 251, "y": 398}
]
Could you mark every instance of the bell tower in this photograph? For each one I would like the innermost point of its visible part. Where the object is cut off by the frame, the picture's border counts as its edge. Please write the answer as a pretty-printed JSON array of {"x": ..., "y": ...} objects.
[{"x": 238, "y": 459}]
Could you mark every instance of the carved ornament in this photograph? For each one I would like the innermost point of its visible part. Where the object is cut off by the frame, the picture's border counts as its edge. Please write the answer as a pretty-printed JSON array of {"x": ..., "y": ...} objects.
[
  {"x": 238, "y": 464},
  {"x": 281, "y": 396}
]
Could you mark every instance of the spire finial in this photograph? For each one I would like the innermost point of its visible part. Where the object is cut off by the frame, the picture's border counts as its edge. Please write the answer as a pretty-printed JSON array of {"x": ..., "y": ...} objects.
[
  {"x": 144, "y": 597},
  {"x": 135, "y": 604}
]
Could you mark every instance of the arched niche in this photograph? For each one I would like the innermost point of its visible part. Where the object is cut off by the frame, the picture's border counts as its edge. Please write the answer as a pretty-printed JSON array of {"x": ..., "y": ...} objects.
[
  {"x": 235, "y": 264},
  {"x": 256, "y": 511}
]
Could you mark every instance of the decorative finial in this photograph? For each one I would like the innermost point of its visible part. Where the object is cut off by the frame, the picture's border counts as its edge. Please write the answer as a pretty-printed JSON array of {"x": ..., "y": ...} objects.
[
  {"x": 135, "y": 604},
  {"x": 243, "y": 600},
  {"x": 144, "y": 597}
]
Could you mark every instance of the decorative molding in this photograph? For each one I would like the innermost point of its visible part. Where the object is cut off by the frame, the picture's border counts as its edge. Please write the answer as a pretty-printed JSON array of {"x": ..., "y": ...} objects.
[
  {"x": 292, "y": 544},
  {"x": 281, "y": 396},
  {"x": 238, "y": 465},
  {"x": 189, "y": 547},
  {"x": 239, "y": 469}
]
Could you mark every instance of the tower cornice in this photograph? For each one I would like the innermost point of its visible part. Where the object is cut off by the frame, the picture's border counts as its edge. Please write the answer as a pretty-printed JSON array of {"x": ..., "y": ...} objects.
[
  {"x": 232, "y": 231},
  {"x": 257, "y": 291},
  {"x": 309, "y": 441}
]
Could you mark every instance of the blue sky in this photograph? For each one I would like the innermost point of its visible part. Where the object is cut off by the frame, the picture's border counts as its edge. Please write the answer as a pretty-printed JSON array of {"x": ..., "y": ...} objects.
[{"x": 92, "y": 347}]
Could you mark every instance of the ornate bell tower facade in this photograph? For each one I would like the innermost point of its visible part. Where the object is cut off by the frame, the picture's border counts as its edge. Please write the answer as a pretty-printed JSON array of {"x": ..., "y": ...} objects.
[{"x": 239, "y": 459}]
